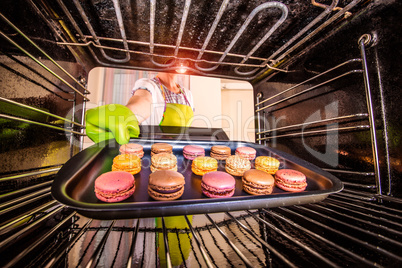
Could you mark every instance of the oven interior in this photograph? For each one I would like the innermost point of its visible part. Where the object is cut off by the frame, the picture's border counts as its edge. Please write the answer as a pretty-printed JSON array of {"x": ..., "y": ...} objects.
[{"x": 326, "y": 89}]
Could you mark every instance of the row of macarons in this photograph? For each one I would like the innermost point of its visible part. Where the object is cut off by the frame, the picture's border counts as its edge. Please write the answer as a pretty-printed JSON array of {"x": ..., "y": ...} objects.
[
  {"x": 165, "y": 183},
  {"x": 219, "y": 152},
  {"x": 235, "y": 165}
]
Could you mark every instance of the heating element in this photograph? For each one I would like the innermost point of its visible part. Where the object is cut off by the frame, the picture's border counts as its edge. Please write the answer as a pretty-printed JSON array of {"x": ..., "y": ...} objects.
[
  {"x": 300, "y": 57},
  {"x": 245, "y": 62}
]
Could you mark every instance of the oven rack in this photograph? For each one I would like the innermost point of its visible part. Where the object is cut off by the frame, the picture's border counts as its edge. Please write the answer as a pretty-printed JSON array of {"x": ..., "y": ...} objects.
[
  {"x": 262, "y": 238},
  {"x": 93, "y": 42},
  {"x": 268, "y": 105}
]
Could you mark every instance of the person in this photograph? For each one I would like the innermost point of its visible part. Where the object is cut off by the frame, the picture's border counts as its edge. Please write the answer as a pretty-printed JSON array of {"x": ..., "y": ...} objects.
[
  {"x": 161, "y": 101},
  {"x": 157, "y": 101}
]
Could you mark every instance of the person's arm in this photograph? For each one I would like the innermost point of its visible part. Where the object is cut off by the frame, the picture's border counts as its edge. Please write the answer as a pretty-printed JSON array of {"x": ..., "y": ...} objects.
[
  {"x": 140, "y": 104},
  {"x": 119, "y": 121}
]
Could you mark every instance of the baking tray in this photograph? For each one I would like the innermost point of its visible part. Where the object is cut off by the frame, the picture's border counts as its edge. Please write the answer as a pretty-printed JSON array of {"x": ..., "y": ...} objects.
[{"x": 74, "y": 184}]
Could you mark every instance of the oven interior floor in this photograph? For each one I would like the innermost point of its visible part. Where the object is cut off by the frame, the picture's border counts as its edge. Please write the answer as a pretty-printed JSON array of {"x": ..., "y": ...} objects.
[{"x": 347, "y": 228}]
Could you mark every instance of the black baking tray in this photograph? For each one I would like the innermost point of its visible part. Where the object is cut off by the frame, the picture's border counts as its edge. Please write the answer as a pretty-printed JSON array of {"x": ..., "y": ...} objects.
[{"x": 74, "y": 184}]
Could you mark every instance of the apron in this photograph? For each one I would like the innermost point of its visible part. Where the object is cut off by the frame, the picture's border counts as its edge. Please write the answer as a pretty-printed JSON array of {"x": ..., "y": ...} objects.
[{"x": 177, "y": 115}]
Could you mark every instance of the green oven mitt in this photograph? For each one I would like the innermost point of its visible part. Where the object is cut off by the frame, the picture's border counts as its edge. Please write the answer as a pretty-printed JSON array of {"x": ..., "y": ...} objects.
[{"x": 111, "y": 121}]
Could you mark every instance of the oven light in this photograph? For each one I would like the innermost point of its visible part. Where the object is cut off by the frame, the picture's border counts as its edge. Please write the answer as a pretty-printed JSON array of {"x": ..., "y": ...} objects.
[{"x": 182, "y": 67}]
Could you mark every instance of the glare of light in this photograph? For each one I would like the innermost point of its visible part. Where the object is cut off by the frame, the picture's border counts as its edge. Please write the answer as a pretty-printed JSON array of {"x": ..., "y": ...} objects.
[{"x": 181, "y": 69}]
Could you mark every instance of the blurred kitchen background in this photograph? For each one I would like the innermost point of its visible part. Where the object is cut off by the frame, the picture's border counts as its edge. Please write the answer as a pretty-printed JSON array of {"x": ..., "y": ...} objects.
[{"x": 219, "y": 103}]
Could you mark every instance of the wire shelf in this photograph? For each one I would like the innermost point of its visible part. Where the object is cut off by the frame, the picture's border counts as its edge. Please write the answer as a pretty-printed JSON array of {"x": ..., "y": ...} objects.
[
  {"x": 228, "y": 57},
  {"x": 212, "y": 240}
]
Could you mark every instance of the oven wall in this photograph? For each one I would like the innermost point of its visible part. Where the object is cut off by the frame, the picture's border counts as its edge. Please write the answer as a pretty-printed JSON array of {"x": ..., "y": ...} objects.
[
  {"x": 27, "y": 146},
  {"x": 347, "y": 152},
  {"x": 36, "y": 96}
]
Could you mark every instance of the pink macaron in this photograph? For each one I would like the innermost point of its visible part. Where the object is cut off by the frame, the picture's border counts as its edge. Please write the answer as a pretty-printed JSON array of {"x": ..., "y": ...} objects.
[
  {"x": 192, "y": 151},
  {"x": 290, "y": 180},
  {"x": 218, "y": 184},
  {"x": 246, "y": 152},
  {"x": 114, "y": 186},
  {"x": 132, "y": 148}
]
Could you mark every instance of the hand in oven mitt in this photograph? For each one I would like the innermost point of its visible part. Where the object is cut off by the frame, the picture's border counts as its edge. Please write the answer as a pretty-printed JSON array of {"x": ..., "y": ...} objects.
[{"x": 111, "y": 121}]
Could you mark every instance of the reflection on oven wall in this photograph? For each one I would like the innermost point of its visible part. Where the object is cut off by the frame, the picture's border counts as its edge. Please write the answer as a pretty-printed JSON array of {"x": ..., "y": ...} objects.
[
  {"x": 219, "y": 103},
  {"x": 47, "y": 101}
]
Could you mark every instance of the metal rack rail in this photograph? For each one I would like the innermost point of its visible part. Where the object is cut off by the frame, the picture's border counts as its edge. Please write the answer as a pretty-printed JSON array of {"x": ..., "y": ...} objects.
[
  {"x": 40, "y": 63},
  {"x": 41, "y": 171},
  {"x": 6, "y": 37},
  {"x": 14, "y": 118},
  {"x": 259, "y": 103},
  {"x": 43, "y": 53}
]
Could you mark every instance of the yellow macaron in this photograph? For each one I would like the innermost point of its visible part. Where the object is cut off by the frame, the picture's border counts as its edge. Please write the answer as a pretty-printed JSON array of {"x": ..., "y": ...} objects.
[
  {"x": 204, "y": 164},
  {"x": 267, "y": 164}
]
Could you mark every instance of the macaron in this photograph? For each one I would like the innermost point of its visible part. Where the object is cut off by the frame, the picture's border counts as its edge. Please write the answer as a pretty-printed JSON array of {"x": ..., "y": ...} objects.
[
  {"x": 114, "y": 186},
  {"x": 257, "y": 182},
  {"x": 246, "y": 152},
  {"x": 127, "y": 162},
  {"x": 237, "y": 165},
  {"x": 163, "y": 161},
  {"x": 132, "y": 148},
  {"x": 267, "y": 164},
  {"x": 204, "y": 164},
  {"x": 290, "y": 180},
  {"x": 166, "y": 185},
  {"x": 220, "y": 152},
  {"x": 218, "y": 184},
  {"x": 161, "y": 147},
  {"x": 192, "y": 151}
]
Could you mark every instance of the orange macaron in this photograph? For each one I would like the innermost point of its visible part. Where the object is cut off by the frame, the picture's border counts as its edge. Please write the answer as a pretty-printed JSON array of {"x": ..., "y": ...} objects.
[
  {"x": 204, "y": 164},
  {"x": 220, "y": 152},
  {"x": 127, "y": 162}
]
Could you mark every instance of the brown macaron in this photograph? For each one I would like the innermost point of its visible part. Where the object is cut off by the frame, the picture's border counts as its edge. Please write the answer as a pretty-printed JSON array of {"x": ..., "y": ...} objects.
[
  {"x": 166, "y": 185},
  {"x": 220, "y": 152},
  {"x": 258, "y": 182},
  {"x": 236, "y": 165},
  {"x": 163, "y": 161},
  {"x": 161, "y": 147}
]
